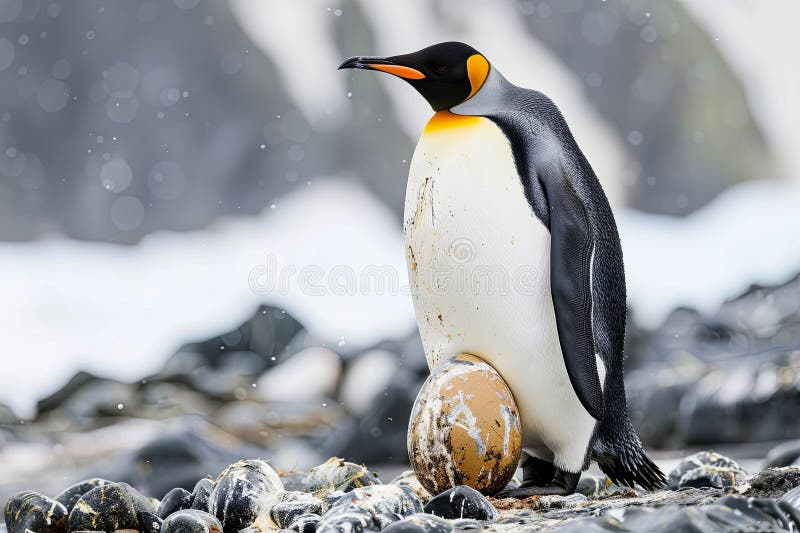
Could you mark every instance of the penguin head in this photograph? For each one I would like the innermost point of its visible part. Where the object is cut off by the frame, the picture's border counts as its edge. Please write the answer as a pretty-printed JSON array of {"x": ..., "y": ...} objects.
[{"x": 445, "y": 74}]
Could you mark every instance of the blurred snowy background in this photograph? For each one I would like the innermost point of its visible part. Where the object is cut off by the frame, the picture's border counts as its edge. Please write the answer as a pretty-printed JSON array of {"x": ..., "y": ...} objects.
[{"x": 160, "y": 159}]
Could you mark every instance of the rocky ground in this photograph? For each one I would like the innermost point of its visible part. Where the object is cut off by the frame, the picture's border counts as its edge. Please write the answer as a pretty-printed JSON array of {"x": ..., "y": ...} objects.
[
  {"x": 728, "y": 381},
  {"x": 706, "y": 492}
]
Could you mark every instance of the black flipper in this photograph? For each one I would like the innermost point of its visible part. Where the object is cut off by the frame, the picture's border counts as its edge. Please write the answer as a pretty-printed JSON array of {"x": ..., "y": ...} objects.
[{"x": 571, "y": 246}]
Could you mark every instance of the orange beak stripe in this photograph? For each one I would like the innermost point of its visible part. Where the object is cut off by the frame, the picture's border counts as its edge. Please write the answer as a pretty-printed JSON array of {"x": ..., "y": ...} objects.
[{"x": 399, "y": 70}]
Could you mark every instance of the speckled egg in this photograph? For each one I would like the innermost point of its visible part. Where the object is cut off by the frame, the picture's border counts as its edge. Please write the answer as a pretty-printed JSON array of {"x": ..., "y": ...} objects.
[{"x": 464, "y": 428}]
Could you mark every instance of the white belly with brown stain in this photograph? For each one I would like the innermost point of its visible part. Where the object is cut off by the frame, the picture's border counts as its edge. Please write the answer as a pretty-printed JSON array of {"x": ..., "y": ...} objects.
[{"x": 479, "y": 265}]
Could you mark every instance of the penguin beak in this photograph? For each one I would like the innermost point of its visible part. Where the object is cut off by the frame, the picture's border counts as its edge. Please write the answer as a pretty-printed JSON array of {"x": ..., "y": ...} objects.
[{"x": 383, "y": 64}]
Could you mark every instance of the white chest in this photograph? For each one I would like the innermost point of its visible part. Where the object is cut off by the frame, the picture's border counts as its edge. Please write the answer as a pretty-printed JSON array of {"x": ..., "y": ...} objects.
[{"x": 479, "y": 265}]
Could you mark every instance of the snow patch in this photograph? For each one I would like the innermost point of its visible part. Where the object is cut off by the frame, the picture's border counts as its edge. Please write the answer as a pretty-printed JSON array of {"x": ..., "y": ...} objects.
[
  {"x": 120, "y": 311},
  {"x": 747, "y": 235}
]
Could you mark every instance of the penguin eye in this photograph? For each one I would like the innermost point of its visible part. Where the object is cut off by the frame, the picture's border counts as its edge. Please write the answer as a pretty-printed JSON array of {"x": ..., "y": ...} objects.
[{"x": 442, "y": 69}]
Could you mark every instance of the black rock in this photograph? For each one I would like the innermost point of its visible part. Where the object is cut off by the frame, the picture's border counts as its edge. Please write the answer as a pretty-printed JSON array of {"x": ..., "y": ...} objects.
[
  {"x": 149, "y": 522},
  {"x": 792, "y": 498},
  {"x": 420, "y": 523},
  {"x": 87, "y": 398},
  {"x": 191, "y": 521},
  {"x": 724, "y": 470},
  {"x": 338, "y": 475},
  {"x": 60, "y": 397},
  {"x": 354, "y": 519},
  {"x": 242, "y": 493},
  {"x": 267, "y": 334},
  {"x": 201, "y": 495},
  {"x": 289, "y": 505},
  {"x": 774, "y": 482},
  {"x": 785, "y": 454},
  {"x": 382, "y": 520},
  {"x": 175, "y": 500},
  {"x": 370, "y": 508},
  {"x": 306, "y": 523},
  {"x": 72, "y": 494},
  {"x": 461, "y": 502},
  {"x": 111, "y": 507},
  {"x": 32, "y": 511},
  {"x": 140, "y": 502}
]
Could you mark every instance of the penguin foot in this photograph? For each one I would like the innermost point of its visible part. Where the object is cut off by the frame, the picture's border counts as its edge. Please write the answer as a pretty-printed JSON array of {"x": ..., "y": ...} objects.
[
  {"x": 537, "y": 471},
  {"x": 562, "y": 484}
]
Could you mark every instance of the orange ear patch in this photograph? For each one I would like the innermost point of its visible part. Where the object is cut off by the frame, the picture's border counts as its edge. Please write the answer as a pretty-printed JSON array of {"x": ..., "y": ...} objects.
[
  {"x": 477, "y": 71},
  {"x": 399, "y": 70}
]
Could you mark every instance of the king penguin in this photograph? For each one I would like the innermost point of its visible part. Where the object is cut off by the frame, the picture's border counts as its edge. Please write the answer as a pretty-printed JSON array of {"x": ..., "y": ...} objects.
[{"x": 514, "y": 256}]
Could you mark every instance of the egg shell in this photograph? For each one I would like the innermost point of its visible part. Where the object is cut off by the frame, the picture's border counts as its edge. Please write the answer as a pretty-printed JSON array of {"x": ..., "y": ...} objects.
[{"x": 464, "y": 428}]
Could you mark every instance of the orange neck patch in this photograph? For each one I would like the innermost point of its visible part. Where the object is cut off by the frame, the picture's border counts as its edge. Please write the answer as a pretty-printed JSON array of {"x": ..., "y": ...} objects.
[{"x": 444, "y": 120}]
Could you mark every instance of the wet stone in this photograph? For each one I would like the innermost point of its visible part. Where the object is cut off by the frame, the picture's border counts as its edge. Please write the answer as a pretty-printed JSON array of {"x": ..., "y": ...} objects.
[
  {"x": 32, "y": 511},
  {"x": 72, "y": 494},
  {"x": 306, "y": 523},
  {"x": 420, "y": 523},
  {"x": 383, "y": 520},
  {"x": 704, "y": 459},
  {"x": 145, "y": 508},
  {"x": 289, "y": 505},
  {"x": 149, "y": 523},
  {"x": 710, "y": 476},
  {"x": 461, "y": 502},
  {"x": 350, "y": 519},
  {"x": 792, "y": 498},
  {"x": 338, "y": 474},
  {"x": 372, "y": 507},
  {"x": 294, "y": 480},
  {"x": 201, "y": 495},
  {"x": 467, "y": 524},
  {"x": 109, "y": 508},
  {"x": 175, "y": 500},
  {"x": 242, "y": 493},
  {"x": 409, "y": 478},
  {"x": 785, "y": 454},
  {"x": 191, "y": 521}
]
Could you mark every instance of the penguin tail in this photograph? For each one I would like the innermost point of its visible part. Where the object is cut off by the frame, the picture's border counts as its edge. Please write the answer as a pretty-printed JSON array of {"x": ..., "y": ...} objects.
[{"x": 626, "y": 463}]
